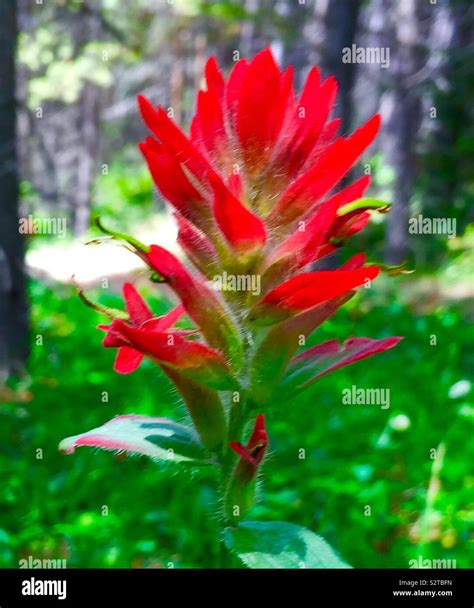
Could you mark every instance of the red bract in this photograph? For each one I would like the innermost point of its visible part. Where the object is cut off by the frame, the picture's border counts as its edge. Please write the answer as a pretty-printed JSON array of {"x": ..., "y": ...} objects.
[
  {"x": 258, "y": 157},
  {"x": 140, "y": 316},
  {"x": 240, "y": 491},
  {"x": 252, "y": 454},
  {"x": 254, "y": 189}
]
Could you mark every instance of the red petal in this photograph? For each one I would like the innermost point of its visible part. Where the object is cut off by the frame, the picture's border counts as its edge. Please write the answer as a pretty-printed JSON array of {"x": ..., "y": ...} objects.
[
  {"x": 242, "y": 452},
  {"x": 244, "y": 231},
  {"x": 327, "y": 135},
  {"x": 352, "y": 192},
  {"x": 201, "y": 304},
  {"x": 127, "y": 360},
  {"x": 235, "y": 185},
  {"x": 211, "y": 122},
  {"x": 174, "y": 140},
  {"x": 330, "y": 167},
  {"x": 356, "y": 261},
  {"x": 258, "y": 121},
  {"x": 257, "y": 444},
  {"x": 136, "y": 306},
  {"x": 259, "y": 433},
  {"x": 114, "y": 337},
  {"x": 317, "y": 101},
  {"x": 214, "y": 78},
  {"x": 166, "y": 321},
  {"x": 172, "y": 182},
  {"x": 234, "y": 87},
  {"x": 199, "y": 249},
  {"x": 340, "y": 229},
  {"x": 307, "y": 290},
  {"x": 200, "y": 362},
  {"x": 301, "y": 247}
]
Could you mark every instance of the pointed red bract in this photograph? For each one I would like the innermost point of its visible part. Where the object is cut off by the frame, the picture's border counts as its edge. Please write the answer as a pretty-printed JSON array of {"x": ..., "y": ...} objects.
[
  {"x": 257, "y": 122},
  {"x": 319, "y": 360},
  {"x": 243, "y": 230},
  {"x": 307, "y": 290},
  {"x": 205, "y": 365},
  {"x": 136, "y": 305},
  {"x": 330, "y": 167},
  {"x": 196, "y": 245},
  {"x": 313, "y": 110},
  {"x": 214, "y": 79},
  {"x": 201, "y": 303},
  {"x": 127, "y": 360},
  {"x": 253, "y": 453},
  {"x": 175, "y": 185}
]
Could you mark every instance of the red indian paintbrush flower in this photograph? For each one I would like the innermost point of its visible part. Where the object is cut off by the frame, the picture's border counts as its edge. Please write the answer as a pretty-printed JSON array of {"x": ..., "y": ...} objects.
[{"x": 255, "y": 192}]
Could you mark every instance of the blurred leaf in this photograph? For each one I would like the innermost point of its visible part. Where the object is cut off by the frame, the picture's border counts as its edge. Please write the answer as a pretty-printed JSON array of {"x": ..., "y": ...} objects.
[{"x": 280, "y": 545}]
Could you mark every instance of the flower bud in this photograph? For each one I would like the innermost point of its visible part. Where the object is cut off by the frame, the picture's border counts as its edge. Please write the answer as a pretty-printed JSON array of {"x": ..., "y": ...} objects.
[{"x": 241, "y": 489}]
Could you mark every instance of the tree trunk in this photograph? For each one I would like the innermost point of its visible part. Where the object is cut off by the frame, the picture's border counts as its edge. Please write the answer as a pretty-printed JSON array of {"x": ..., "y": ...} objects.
[
  {"x": 13, "y": 304},
  {"x": 87, "y": 159},
  {"x": 403, "y": 116},
  {"x": 341, "y": 28}
]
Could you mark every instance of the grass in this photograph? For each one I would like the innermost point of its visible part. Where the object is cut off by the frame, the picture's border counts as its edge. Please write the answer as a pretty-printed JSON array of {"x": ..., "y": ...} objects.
[{"x": 357, "y": 475}]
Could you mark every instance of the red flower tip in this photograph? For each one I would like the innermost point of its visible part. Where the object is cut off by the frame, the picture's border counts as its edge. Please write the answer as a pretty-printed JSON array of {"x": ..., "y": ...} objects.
[
  {"x": 243, "y": 230},
  {"x": 254, "y": 452},
  {"x": 214, "y": 78},
  {"x": 135, "y": 304}
]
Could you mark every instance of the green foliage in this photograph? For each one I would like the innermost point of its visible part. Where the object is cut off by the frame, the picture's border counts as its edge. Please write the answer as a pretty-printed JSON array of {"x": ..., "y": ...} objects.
[
  {"x": 229, "y": 11},
  {"x": 279, "y": 544},
  {"x": 328, "y": 462},
  {"x": 58, "y": 70},
  {"x": 125, "y": 190}
]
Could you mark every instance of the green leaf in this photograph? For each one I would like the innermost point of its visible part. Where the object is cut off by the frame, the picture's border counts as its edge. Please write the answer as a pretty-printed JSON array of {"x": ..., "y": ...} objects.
[
  {"x": 158, "y": 438},
  {"x": 279, "y": 544}
]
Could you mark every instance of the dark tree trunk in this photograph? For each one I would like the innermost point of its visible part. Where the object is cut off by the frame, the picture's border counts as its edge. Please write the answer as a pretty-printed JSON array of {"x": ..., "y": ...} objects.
[
  {"x": 88, "y": 127},
  {"x": 341, "y": 28},
  {"x": 87, "y": 161},
  {"x": 295, "y": 50},
  {"x": 13, "y": 306},
  {"x": 402, "y": 128},
  {"x": 403, "y": 116}
]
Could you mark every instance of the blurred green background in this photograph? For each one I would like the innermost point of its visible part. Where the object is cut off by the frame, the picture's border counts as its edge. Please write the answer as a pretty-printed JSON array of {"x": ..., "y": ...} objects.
[{"x": 367, "y": 482}]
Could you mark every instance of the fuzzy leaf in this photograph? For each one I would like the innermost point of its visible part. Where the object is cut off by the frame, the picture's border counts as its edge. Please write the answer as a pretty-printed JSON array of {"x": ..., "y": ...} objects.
[
  {"x": 279, "y": 544},
  {"x": 329, "y": 356},
  {"x": 158, "y": 438}
]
